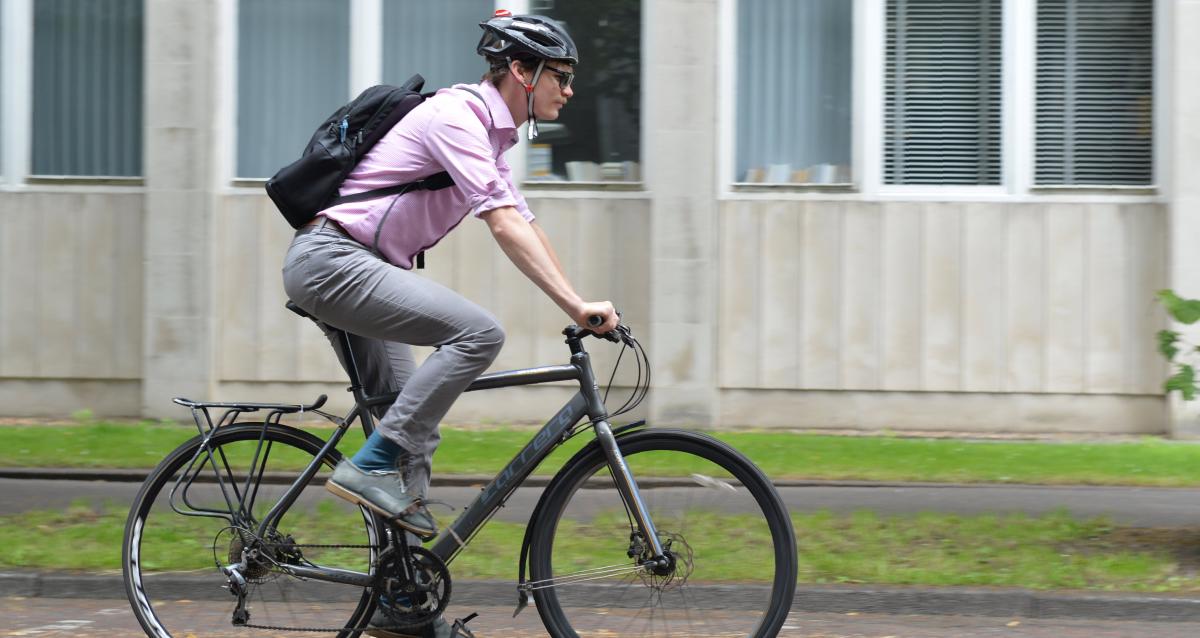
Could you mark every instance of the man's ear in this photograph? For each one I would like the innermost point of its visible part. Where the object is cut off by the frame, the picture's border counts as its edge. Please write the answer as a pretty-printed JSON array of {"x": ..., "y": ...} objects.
[{"x": 516, "y": 69}]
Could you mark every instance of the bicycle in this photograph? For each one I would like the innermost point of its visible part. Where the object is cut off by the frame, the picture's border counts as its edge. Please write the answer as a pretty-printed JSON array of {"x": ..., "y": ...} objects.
[{"x": 637, "y": 528}]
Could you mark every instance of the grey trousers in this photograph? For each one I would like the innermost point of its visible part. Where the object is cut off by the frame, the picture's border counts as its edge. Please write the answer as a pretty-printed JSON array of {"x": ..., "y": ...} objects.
[{"x": 386, "y": 309}]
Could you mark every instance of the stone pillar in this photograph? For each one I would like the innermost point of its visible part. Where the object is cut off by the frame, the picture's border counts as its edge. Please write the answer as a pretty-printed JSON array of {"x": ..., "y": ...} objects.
[
  {"x": 180, "y": 102},
  {"x": 679, "y": 150},
  {"x": 1181, "y": 165}
]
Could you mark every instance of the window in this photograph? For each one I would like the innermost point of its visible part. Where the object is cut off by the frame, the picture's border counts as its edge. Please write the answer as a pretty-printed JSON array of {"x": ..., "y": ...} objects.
[
  {"x": 293, "y": 71},
  {"x": 598, "y": 135},
  {"x": 942, "y": 113},
  {"x": 294, "y": 60},
  {"x": 794, "y": 68},
  {"x": 442, "y": 49},
  {"x": 87, "y": 88},
  {"x": 1095, "y": 70}
]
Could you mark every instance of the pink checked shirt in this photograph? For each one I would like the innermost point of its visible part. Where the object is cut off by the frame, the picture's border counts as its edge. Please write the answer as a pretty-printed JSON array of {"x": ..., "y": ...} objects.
[{"x": 451, "y": 131}]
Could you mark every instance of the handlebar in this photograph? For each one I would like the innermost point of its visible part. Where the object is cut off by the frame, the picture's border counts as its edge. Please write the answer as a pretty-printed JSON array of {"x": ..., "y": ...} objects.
[{"x": 621, "y": 333}]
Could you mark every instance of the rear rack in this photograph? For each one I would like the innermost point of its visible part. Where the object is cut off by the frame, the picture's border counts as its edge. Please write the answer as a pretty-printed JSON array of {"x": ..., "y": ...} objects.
[
  {"x": 206, "y": 426},
  {"x": 235, "y": 498}
]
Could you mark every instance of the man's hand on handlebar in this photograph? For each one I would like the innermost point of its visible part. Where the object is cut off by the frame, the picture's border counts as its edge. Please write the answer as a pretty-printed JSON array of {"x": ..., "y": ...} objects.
[{"x": 602, "y": 309}]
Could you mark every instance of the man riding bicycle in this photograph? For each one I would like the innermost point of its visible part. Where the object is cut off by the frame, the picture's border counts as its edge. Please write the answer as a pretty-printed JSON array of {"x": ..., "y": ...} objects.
[{"x": 351, "y": 266}]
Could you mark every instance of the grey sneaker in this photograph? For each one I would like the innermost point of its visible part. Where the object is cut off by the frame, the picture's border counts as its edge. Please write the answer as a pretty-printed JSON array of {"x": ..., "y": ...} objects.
[
  {"x": 439, "y": 628},
  {"x": 384, "y": 493}
]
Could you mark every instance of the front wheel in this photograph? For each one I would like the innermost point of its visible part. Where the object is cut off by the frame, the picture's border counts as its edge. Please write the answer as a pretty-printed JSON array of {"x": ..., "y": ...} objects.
[{"x": 724, "y": 528}]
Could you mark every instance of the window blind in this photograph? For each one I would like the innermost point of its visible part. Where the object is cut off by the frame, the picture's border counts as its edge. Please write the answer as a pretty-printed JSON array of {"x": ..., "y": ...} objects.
[
  {"x": 87, "y": 88},
  {"x": 793, "y": 90},
  {"x": 435, "y": 39},
  {"x": 1095, "y": 84},
  {"x": 293, "y": 71},
  {"x": 943, "y": 105}
]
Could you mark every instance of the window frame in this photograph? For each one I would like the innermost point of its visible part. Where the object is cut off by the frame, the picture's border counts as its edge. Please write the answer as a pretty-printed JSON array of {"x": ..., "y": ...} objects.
[
  {"x": 366, "y": 69},
  {"x": 16, "y": 105},
  {"x": 518, "y": 156},
  {"x": 868, "y": 100},
  {"x": 366, "y": 61}
]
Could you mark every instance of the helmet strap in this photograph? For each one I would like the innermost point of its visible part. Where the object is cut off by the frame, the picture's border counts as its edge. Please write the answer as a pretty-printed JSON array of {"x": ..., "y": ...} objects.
[{"x": 533, "y": 132}]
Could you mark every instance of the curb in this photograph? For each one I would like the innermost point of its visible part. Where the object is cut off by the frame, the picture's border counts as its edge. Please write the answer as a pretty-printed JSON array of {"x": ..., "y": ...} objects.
[
  {"x": 480, "y": 480},
  {"x": 897, "y": 600}
]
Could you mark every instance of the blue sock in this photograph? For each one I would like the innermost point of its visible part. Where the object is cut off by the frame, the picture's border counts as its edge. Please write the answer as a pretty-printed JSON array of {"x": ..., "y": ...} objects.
[{"x": 378, "y": 453}]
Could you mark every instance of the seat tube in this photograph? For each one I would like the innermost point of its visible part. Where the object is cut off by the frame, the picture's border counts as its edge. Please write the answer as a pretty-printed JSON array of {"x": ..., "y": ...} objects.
[{"x": 627, "y": 486}]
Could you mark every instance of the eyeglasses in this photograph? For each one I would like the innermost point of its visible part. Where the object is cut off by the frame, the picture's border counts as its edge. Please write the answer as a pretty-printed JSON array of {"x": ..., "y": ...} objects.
[{"x": 565, "y": 78}]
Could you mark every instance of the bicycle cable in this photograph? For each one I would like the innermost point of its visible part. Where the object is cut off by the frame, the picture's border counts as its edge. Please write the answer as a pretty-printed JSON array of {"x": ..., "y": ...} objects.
[{"x": 641, "y": 384}]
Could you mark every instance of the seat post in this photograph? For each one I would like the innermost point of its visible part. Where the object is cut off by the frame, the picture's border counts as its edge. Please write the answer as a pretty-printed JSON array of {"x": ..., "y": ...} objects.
[
  {"x": 356, "y": 385},
  {"x": 343, "y": 344}
]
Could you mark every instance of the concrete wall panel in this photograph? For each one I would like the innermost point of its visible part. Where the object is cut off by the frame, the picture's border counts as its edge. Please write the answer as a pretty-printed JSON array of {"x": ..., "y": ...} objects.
[
  {"x": 942, "y": 297},
  {"x": 70, "y": 285}
]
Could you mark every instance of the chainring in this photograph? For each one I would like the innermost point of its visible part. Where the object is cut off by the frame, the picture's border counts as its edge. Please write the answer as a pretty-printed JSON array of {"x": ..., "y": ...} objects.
[{"x": 413, "y": 595}]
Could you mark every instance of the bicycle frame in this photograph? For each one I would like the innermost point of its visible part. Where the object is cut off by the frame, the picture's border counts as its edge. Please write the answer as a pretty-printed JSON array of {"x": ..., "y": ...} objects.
[{"x": 587, "y": 402}]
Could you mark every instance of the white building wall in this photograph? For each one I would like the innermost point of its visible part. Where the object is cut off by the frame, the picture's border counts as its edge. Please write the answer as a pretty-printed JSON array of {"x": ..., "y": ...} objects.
[
  {"x": 942, "y": 297},
  {"x": 761, "y": 310},
  {"x": 70, "y": 302},
  {"x": 1182, "y": 155},
  {"x": 1037, "y": 305}
]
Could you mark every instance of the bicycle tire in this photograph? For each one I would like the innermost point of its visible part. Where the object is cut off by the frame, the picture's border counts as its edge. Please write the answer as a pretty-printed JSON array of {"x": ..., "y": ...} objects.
[
  {"x": 211, "y": 606},
  {"x": 602, "y": 609}
]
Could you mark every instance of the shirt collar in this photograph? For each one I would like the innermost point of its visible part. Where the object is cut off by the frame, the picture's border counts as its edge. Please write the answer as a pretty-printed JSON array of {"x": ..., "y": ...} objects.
[{"x": 501, "y": 117}]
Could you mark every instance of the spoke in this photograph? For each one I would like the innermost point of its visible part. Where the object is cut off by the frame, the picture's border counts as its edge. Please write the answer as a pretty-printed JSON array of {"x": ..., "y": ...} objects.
[
  {"x": 262, "y": 468},
  {"x": 233, "y": 482},
  {"x": 596, "y": 573},
  {"x": 687, "y": 609},
  {"x": 638, "y": 615}
]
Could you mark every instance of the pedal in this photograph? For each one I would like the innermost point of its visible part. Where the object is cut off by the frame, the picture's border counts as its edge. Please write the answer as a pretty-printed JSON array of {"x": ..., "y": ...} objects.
[{"x": 459, "y": 630}]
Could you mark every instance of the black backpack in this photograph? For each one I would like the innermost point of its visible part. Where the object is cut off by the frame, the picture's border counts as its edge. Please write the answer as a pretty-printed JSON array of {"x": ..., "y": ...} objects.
[{"x": 310, "y": 184}]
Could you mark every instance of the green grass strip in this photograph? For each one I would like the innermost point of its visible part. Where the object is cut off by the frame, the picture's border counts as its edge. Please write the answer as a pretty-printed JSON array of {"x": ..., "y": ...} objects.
[
  {"x": 1149, "y": 462},
  {"x": 1054, "y": 551}
]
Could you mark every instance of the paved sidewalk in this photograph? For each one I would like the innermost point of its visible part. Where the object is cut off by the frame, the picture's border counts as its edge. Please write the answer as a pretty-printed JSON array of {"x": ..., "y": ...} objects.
[
  {"x": 964, "y": 601},
  {"x": 25, "y": 489}
]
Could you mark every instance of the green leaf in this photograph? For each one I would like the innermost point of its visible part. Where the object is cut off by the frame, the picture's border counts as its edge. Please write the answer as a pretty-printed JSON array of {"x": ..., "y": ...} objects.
[
  {"x": 1184, "y": 381},
  {"x": 1185, "y": 311},
  {"x": 1166, "y": 343}
]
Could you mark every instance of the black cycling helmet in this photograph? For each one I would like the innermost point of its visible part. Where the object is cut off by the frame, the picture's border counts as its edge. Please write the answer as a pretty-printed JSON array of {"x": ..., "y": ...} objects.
[{"x": 509, "y": 36}]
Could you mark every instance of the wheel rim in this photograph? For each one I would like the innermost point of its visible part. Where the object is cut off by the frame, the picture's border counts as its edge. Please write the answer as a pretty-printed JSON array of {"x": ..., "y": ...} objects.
[
  {"x": 171, "y": 570},
  {"x": 709, "y": 511}
]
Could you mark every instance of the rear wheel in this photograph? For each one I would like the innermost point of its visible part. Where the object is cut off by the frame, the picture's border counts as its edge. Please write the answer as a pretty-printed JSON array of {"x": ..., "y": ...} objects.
[
  {"x": 185, "y": 525},
  {"x": 729, "y": 542}
]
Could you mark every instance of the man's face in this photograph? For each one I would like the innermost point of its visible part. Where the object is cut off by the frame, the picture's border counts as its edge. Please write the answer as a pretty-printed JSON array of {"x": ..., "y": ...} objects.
[{"x": 552, "y": 91}]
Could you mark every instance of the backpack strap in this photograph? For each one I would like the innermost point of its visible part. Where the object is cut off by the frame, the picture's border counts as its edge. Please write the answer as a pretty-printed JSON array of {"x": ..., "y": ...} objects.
[
  {"x": 485, "y": 104},
  {"x": 434, "y": 182}
]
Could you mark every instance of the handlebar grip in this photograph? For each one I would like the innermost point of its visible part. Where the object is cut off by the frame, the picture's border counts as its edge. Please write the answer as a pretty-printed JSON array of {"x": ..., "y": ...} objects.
[{"x": 595, "y": 321}]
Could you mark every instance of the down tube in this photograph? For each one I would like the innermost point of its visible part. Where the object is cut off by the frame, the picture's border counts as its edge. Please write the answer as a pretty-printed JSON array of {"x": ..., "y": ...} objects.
[{"x": 459, "y": 533}]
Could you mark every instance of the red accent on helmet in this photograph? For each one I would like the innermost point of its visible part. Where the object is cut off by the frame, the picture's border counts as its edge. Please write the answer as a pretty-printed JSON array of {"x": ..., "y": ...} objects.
[{"x": 502, "y": 13}]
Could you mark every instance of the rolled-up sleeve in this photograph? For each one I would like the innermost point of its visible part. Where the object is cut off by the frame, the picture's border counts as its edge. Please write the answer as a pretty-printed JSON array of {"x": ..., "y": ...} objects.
[
  {"x": 506, "y": 174},
  {"x": 458, "y": 141}
]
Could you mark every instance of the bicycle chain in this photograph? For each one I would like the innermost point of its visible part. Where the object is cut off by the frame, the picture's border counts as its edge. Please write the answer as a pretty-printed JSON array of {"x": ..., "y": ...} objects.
[{"x": 326, "y": 629}]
